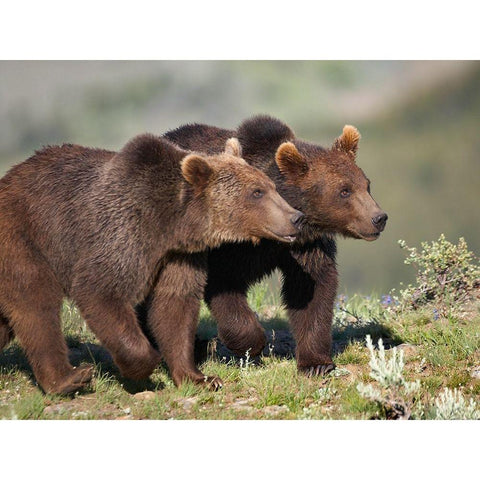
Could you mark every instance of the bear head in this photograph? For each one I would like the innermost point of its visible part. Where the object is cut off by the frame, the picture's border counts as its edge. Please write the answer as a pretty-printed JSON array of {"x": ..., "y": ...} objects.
[
  {"x": 242, "y": 202},
  {"x": 334, "y": 191}
]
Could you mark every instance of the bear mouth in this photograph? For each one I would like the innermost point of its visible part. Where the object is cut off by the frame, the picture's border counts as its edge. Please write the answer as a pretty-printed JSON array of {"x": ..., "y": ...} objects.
[
  {"x": 359, "y": 235},
  {"x": 369, "y": 236},
  {"x": 290, "y": 238},
  {"x": 284, "y": 238}
]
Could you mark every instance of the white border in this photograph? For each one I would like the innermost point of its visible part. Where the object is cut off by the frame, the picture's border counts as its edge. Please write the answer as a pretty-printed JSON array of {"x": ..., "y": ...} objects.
[
  {"x": 251, "y": 29},
  {"x": 239, "y": 449}
]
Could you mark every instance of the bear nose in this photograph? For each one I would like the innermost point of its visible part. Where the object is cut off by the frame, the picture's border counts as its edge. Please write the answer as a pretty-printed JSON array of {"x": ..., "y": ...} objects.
[
  {"x": 297, "y": 218},
  {"x": 380, "y": 220}
]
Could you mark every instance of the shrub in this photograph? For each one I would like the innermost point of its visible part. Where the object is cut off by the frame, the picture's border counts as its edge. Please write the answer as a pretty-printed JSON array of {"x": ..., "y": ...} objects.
[
  {"x": 447, "y": 276},
  {"x": 392, "y": 393},
  {"x": 451, "y": 405},
  {"x": 358, "y": 315}
]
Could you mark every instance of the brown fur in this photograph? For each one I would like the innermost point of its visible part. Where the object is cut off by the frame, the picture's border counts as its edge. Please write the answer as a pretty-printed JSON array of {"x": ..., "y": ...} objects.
[
  {"x": 332, "y": 191},
  {"x": 110, "y": 230}
]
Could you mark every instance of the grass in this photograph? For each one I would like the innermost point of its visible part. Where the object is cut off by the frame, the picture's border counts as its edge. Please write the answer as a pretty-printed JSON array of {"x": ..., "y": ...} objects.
[
  {"x": 353, "y": 354},
  {"x": 440, "y": 353}
]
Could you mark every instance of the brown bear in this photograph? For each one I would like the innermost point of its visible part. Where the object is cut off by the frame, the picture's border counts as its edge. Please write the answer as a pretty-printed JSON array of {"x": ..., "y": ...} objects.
[
  {"x": 332, "y": 192},
  {"x": 106, "y": 230}
]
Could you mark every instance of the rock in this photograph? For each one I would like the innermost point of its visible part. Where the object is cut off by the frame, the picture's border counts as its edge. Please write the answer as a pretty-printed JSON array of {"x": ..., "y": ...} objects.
[
  {"x": 408, "y": 349},
  {"x": 79, "y": 414},
  {"x": 53, "y": 409},
  {"x": 145, "y": 396},
  {"x": 187, "y": 403},
  {"x": 243, "y": 404},
  {"x": 275, "y": 409}
]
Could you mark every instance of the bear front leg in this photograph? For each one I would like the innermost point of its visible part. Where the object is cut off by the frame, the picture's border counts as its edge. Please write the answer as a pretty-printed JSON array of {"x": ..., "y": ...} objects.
[
  {"x": 238, "y": 326},
  {"x": 232, "y": 269},
  {"x": 172, "y": 316},
  {"x": 309, "y": 291}
]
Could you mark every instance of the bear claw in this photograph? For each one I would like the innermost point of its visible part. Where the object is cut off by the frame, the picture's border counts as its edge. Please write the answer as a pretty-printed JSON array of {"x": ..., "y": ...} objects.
[
  {"x": 319, "y": 370},
  {"x": 214, "y": 383}
]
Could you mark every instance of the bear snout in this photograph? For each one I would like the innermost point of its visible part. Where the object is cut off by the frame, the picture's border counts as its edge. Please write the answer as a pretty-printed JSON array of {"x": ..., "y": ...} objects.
[
  {"x": 379, "y": 221},
  {"x": 297, "y": 219}
]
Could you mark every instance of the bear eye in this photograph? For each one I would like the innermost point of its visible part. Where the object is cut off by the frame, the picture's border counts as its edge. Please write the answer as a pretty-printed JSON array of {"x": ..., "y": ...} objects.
[
  {"x": 258, "y": 193},
  {"x": 345, "y": 193}
]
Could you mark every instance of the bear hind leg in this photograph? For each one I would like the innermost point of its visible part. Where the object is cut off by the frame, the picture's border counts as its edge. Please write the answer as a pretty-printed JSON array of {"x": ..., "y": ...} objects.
[
  {"x": 116, "y": 326},
  {"x": 39, "y": 333},
  {"x": 31, "y": 298}
]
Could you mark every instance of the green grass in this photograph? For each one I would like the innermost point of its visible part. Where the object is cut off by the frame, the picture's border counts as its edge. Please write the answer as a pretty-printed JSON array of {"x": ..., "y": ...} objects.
[
  {"x": 354, "y": 354},
  {"x": 440, "y": 354}
]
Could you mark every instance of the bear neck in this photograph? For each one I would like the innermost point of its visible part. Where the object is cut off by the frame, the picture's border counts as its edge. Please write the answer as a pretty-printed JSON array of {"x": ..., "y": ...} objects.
[
  {"x": 193, "y": 226},
  {"x": 200, "y": 227},
  {"x": 295, "y": 196}
]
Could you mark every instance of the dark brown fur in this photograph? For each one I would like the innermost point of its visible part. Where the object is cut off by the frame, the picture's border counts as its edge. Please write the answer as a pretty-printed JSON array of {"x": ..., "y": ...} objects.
[
  {"x": 110, "y": 230},
  {"x": 332, "y": 191}
]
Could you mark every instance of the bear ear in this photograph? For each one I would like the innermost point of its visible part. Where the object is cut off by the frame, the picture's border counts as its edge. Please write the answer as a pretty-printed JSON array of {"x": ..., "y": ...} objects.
[
  {"x": 290, "y": 162},
  {"x": 196, "y": 170},
  {"x": 233, "y": 147},
  {"x": 348, "y": 141}
]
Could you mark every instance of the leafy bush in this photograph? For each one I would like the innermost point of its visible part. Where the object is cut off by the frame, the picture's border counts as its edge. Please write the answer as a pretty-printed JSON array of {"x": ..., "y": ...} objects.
[{"x": 447, "y": 276}]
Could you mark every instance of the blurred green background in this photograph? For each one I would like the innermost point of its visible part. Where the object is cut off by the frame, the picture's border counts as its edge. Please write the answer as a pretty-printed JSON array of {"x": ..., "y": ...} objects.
[{"x": 419, "y": 122}]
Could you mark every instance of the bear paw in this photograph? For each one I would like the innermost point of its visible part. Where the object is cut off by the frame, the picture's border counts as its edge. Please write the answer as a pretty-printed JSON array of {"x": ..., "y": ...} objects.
[
  {"x": 78, "y": 379},
  {"x": 250, "y": 338},
  {"x": 214, "y": 383}
]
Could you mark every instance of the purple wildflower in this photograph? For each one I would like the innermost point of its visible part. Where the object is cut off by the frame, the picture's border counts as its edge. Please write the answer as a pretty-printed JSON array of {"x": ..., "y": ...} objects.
[{"x": 386, "y": 300}]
